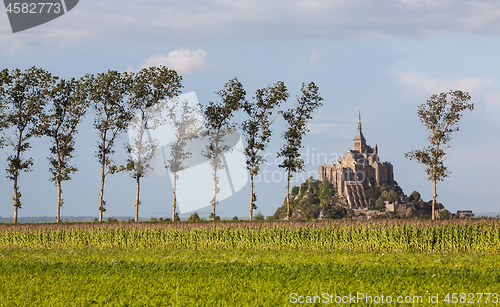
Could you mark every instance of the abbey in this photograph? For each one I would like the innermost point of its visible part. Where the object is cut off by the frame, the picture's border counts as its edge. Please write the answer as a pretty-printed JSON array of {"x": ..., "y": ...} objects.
[{"x": 359, "y": 170}]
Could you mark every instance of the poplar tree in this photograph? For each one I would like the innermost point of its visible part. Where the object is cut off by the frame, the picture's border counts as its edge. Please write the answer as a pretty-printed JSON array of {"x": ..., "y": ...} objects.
[
  {"x": 297, "y": 119},
  {"x": 217, "y": 116},
  {"x": 109, "y": 93},
  {"x": 441, "y": 115},
  {"x": 69, "y": 105},
  {"x": 187, "y": 126},
  {"x": 256, "y": 129},
  {"x": 26, "y": 94},
  {"x": 149, "y": 87}
]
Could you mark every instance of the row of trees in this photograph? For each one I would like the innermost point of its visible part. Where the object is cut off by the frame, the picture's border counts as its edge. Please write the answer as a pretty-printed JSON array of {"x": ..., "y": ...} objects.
[
  {"x": 256, "y": 129},
  {"x": 34, "y": 103}
]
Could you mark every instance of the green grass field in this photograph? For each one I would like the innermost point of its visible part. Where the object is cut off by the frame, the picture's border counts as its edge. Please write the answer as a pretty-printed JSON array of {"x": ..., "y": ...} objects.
[{"x": 126, "y": 265}]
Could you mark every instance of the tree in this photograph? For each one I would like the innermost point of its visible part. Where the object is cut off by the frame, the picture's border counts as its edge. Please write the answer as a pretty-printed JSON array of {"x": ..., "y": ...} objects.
[
  {"x": 373, "y": 194},
  {"x": 414, "y": 196},
  {"x": 326, "y": 193},
  {"x": 187, "y": 125},
  {"x": 444, "y": 214},
  {"x": 259, "y": 216},
  {"x": 148, "y": 87},
  {"x": 26, "y": 94},
  {"x": 256, "y": 129},
  {"x": 441, "y": 116},
  {"x": 194, "y": 217},
  {"x": 392, "y": 196},
  {"x": 379, "y": 204},
  {"x": 68, "y": 109},
  {"x": 217, "y": 116},
  {"x": 297, "y": 119},
  {"x": 108, "y": 93}
]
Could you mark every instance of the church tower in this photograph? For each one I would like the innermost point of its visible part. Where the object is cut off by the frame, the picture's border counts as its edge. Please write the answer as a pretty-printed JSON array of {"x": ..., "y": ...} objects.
[{"x": 359, "y": 140}]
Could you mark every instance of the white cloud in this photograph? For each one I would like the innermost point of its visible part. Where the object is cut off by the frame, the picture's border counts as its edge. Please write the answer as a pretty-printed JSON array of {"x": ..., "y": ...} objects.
[
  {"x": 187, "y": 21},
  {"x": 424, "y": 85},
  {"x": 184, "y": 61},
  {"x": 314, "y": 56}
]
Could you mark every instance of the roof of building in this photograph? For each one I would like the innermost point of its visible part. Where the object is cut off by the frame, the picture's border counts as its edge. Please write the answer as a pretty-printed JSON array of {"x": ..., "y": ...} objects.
[{"x": 360, "y": 136}]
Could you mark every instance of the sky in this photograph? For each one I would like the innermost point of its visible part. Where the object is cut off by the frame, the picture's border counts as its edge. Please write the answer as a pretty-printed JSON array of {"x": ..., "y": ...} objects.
[{"x": 381, "y": 57}]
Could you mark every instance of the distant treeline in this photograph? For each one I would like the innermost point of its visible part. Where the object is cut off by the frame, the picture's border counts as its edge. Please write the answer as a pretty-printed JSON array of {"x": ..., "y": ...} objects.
[{"x": 48, "y": 219}]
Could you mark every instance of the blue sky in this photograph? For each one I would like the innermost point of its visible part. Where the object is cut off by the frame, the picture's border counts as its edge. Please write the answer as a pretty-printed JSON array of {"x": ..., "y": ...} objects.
[{"x": 385, "y": 56}]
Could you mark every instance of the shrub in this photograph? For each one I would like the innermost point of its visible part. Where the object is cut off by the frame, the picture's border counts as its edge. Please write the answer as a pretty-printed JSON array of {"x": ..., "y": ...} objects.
[
  {"x": 194, "y": 217},
  {"x": 392, "y": 196},
  {"x": 425, "y": 217},
  {"x": 373, "y": 194},
  {"x": 212, "y": 217},
  {"x": 385, "y": 187},
  {"x": 112, "y": 220},
  {"x": 443, "y": 214},
  {"x": 259, "y": 216},
  {"x": 380, "y": 204}
]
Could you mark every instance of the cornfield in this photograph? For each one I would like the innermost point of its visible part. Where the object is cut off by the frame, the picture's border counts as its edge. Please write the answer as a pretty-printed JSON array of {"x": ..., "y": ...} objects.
[{"x": 418, "y": 236}]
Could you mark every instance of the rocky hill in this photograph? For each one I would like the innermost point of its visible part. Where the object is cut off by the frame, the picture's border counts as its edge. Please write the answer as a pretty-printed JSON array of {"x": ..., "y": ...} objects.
[
  {"x": 319, "y": 200},
  {"x": 313, "y": 200}
]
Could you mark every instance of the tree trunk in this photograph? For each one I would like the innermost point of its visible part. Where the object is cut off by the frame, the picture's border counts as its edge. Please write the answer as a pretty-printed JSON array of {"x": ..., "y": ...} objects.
[
  {"x": 434, "y": 183},
  {"x": 215, "y": 194},
  {"x": 16, "y": 175},
  {"x": 139, "y": 167},
  {"x": 16, "y": 207},
  {"x": 175, "y": 199},
  {"x": 137, "y": 198},
  {"x": 58, "y": 218},
  {"x": 434, "y": 201},
  {"x": 251, "y": 194},
  {"x": 101, "y": 195},
  {"x": 288, "y": 196},
  {"x": 15, "y": 215}
]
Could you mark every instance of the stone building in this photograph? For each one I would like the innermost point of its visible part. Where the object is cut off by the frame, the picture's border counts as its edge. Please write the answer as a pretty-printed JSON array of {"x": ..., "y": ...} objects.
[
  {"x": 464, "y": 214},
  {"x": 358, "y": 171}
]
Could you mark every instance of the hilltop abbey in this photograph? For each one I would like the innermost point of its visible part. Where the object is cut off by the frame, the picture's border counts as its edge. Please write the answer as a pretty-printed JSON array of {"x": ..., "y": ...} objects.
[{"x": 359, "y": 170}]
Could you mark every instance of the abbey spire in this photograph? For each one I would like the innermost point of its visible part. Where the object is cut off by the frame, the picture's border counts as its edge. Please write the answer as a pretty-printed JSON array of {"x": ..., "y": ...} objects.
[
  {"x": 359, "y": 140},
  {"x": 359, "y": 120}
]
